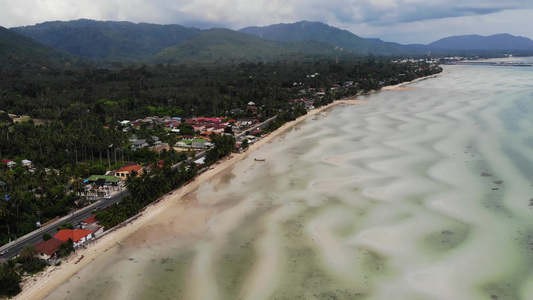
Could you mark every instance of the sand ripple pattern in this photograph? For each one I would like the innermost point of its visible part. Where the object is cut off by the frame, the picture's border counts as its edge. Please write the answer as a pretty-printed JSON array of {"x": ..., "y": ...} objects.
[{"x": 423, "y": 193}]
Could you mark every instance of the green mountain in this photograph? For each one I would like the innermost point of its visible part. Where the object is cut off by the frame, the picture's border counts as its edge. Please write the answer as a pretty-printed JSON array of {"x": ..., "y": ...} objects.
[
  {"x": 216, "y": 45},
  {"x": 109, "y": 40},
  {"x": 130, "y": 42},
  {"x": 143, "y": 42},
  {"x": 504, "y": 42},
  {"x": 304, "y": 30},
  {"x": 19, "y": 51}
]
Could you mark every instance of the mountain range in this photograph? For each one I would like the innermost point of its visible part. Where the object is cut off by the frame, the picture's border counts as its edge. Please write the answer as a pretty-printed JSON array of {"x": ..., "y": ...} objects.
[
  {"x": 17, "y": 50},
  {"x": 149, "y": 43}
]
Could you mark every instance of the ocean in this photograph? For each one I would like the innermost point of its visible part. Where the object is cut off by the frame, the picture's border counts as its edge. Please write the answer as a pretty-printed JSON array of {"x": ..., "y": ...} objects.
[{"x": 425, "y": 192}]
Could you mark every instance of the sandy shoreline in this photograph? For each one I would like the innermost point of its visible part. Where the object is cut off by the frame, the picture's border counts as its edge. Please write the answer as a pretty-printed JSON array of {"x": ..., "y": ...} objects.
[
  {"x": 402, "y": 86},
  {"x": 37, "y": 287},
  {"x": 389, "y": 200}
]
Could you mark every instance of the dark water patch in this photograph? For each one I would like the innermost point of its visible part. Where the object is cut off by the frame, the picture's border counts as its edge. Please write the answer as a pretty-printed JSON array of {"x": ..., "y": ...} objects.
[
  {"x": 233, "y": 267},
  {"x": 306, "y": 278},
  {"x": 293, "y": 228},
  {"x": 346, "y": 229},
  {"x": 446, "y": 239},
  {"x": 225, "y": 179},
  {"x": 420, "y": 199},
  {"x": 166, "y": 277},
  {"x": 522, "y": 163},
  {"x": 501, "y": 291},
  {"x": 493, "y": 201},
  {"x": 234, "y": 262},
  {"x": 339, "y": 294},
  {"x": 524, "y": 238},
  {"x": 521, "y": 109},
  {"x": 373, "y": 263},
  {"x": 102, "y": 290}
]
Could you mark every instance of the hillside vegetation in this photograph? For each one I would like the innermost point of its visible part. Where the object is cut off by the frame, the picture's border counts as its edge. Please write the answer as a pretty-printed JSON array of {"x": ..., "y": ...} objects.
[
  {"x": 124, "y": 41},
  {"x": 305, "y": 31},
  {"x": 20, "y": 52},
  {"x": 224, "y": 45}
]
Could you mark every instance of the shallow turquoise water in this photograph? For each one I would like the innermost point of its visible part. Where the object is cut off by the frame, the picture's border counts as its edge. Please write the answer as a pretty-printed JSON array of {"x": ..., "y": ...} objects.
[{"x": 418, "y": 194}]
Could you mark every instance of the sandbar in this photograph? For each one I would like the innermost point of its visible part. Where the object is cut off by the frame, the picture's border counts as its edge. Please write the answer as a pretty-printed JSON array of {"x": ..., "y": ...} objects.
[{"x": 42, "y": 284}]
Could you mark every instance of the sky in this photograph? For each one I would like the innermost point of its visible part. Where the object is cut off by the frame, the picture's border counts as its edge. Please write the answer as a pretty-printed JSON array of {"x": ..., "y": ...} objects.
[{"x": 401, "y": 21}]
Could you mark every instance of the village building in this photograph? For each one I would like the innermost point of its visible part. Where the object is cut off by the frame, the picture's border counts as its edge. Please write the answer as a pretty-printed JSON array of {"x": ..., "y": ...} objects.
[
  {"x": 27, "y": 163},
  {"x": 102, "y": 180},
  {"x": 78, "y": 236},
  {"x": 91, "y": 220},
  {"x": 128, "y": 170},
  {"x": 139, "y": 144},
  {"x": 48, "y": 249}
]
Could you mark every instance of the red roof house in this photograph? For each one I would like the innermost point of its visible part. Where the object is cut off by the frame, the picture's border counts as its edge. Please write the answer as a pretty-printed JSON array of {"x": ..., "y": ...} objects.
[
  {"x": 128, "y": 170},
  {"x": 48, "y": 249},
  {"x": 90, "y": 220},
  {"x": 78, "y": 236}
]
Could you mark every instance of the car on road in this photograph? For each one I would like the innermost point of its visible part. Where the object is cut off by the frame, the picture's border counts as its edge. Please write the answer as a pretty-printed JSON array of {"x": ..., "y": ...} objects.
[
  {"x": 107, "y": 196},
  {"x": 3, "y": 252}
]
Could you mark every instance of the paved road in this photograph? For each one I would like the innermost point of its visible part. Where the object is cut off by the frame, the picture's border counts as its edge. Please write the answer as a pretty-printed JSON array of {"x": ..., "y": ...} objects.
[{"x": 36, "y": 236}]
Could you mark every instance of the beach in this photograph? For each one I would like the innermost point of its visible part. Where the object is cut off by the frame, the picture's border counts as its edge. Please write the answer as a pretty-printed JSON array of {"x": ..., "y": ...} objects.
[
  {"x": 40, "y": 285},
  {"x": 422, "y": 193}
]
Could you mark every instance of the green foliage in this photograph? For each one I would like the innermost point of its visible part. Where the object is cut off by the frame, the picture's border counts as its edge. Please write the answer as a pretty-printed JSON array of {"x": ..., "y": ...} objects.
[
  {"x": 65, "y": 225},
  {"x": 28, "y": 253},
  {"x": 18, "y": 52},
  {"x": 97, "y": 170},
  {"x": 34, "y": 266},
  {"x": 343, "y": 39},
  {"x": 66, "y": 248},
  {"x": 76, "y": 112},
  {"x": 9, "y": 279},
  {"x": 110, "y": 40},
  {"x": 224, "y": 45},
  {"x": 186, "y": 129},
  {"x": 144, "y": 190},
  {"x": 223, "y": 145},
  {"x": 46, "y": 237},
  {"x": 245, "y": 144}
]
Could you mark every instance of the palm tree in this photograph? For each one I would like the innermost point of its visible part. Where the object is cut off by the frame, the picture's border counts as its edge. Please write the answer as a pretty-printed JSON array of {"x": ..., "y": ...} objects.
[
  {"x": 3, "y": 210},
  {"x": 66, "y": 248},
  {"x": 9, "y": 279},
  {"x": 28, "y": 253}
]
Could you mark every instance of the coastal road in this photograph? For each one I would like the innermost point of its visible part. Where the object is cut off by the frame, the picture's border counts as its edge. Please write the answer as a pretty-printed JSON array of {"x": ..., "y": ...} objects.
[
  {"x": 75, "y": 218},
  {"x": 239, "y": 137}
]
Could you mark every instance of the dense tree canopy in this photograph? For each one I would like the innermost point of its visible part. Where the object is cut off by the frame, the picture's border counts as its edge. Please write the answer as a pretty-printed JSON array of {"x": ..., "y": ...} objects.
[{"x": 72, "y": 131}]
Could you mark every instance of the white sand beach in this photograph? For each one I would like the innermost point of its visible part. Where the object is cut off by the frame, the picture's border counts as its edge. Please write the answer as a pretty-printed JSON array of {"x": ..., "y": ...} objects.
[
  {"x": 38, "y": 286},
  {"x": 421, "y": 194}
]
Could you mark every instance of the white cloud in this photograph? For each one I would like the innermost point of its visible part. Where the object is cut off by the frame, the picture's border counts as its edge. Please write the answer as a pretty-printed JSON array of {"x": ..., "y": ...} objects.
[{"x": 405, "y": 21}]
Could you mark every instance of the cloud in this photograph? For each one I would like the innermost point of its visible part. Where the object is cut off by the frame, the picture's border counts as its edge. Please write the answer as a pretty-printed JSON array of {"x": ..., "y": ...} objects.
[
  {"x": 363, "y": 17},
  {"x": 405, "y": 11}
]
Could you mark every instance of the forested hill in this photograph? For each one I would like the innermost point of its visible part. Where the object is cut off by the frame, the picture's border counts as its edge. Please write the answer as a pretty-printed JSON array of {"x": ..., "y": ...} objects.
[
  {"x": 224, "y": 45},
  {"x": 477, "y": 42},
  {"x": 110, "y": 40},
  {"x": 130, "y": 42},
  {"x": 20, "y": 52},
  {"x": 152, "y": 43},
  {"x": 304, "y": 30}
]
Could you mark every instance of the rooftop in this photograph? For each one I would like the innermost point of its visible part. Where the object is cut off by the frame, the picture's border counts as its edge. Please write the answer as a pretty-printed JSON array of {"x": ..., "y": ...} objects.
[
  {"x": 48, "y": 247},
  {"x": 75, "y": 234}
]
